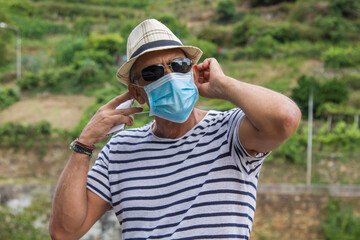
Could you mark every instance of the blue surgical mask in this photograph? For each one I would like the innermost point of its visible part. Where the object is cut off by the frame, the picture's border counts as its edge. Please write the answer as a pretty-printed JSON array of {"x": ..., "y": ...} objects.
[{"x": 173, "y": 96}]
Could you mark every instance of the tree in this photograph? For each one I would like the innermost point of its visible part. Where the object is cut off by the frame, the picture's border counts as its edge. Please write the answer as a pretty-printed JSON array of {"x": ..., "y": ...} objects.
[
  {"x": 300, "y": 94},
  {"x": 331, "y": 91}
]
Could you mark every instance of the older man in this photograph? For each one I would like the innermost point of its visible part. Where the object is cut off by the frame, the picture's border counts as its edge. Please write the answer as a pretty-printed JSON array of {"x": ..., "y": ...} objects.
[{"x": 189, "y": 174}]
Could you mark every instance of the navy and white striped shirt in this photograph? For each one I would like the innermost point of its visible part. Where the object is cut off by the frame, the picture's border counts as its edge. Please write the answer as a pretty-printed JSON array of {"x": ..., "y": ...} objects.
[{"x": 200, "y": 186}]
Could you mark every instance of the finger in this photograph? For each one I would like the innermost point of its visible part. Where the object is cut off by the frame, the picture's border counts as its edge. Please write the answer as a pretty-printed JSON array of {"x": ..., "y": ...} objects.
[
  {"x": 118, "y": 119},
  {"x": 131, "y": 120},
  {"x": 203, "y": 66},
  {"x": 126, "y": 111},
  {"x": 200, "y": 67},
  {"x": 204, "y": 77},
  {"x": 118, "y": 100},
  {"x": 214, "y": 65},
  {"x": 207, "y": 63}
]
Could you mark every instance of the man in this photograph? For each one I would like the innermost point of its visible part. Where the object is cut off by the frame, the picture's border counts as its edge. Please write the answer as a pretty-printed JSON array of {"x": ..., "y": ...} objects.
[{"x": 190, "y": 174}]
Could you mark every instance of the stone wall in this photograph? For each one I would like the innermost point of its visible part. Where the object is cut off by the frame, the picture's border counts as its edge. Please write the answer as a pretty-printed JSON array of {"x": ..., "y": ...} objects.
[{"x": 288, "y": 212}]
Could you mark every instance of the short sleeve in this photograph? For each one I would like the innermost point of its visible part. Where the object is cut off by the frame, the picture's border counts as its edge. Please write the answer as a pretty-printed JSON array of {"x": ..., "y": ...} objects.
[
  {"x": 247, "y": 164},
  {"x": 98, "y": 177}
]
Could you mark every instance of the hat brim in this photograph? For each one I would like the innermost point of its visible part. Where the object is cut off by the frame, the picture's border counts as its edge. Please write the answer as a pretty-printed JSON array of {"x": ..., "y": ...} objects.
[{"x": 123, "y": 74}]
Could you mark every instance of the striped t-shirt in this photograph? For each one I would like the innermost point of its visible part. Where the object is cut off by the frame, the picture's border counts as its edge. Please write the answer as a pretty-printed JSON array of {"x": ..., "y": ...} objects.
[{"x": 200, "y": 186}]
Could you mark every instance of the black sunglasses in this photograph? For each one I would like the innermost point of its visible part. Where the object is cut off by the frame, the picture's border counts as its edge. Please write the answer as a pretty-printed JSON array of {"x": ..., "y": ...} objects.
[{"x": 156, "y": 71}]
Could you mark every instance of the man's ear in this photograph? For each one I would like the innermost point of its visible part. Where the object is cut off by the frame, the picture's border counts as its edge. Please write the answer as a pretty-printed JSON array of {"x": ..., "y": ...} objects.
[
  {"x": 135, "y": 92},
  {"x": 196, "y": 74}
]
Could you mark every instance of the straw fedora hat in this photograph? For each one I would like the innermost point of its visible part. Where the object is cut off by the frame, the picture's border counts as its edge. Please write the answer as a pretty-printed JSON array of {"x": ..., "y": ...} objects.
[{"x": 151, "y": 35}]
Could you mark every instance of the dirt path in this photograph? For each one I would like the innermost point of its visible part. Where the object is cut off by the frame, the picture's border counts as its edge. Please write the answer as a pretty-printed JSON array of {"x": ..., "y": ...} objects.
[{"x": 61, "y": 111}]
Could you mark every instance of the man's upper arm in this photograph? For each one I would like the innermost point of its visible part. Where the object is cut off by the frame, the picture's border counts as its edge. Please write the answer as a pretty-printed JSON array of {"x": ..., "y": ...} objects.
[{"x": 253, "y": 140}]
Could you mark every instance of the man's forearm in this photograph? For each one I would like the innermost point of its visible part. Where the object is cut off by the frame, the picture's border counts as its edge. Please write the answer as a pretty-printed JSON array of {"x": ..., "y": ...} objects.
[{"x": 70, "y": 199}]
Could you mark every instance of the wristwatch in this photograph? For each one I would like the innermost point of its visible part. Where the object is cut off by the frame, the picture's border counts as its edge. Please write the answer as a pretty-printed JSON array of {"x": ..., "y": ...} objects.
[{"x": 79, "y": 147}]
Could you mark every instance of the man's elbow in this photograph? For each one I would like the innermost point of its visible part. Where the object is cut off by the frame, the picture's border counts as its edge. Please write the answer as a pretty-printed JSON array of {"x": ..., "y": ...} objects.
[
  {"x": 57, "y": 233},
  {"x": 54, "y": 233},
  {"x": 290, "y": 120}
]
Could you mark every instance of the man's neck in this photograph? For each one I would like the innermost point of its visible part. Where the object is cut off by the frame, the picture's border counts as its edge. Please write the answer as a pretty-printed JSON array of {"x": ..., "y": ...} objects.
[{"x": 165, "y": 129}]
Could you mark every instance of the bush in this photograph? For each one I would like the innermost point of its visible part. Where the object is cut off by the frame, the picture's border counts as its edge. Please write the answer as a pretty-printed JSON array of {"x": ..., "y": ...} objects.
[
  {"x": 226, "y": 10},
  {"x": 5, "y": 36},
  {"x": 209, "y": 49},
  {"x": 112, "y": 43},
  {"x": 341, "y": 223},
  {"x": 22, "y": 7},
  {"x": 89, "y": 72},
  {"x": 305, "y": 11},
  {"x": 60, "y": 9},
  {"x": 304, "y": 49},
  {"x": 29, "y": 81},
  {"x": 334, "y": 91},
  {"x": 126, "y": 27},
  {"x": 66, "y": 50},
  {"x": 252, "y": 28},
  {"x": 343, "y": 136},
  {"x": 7, "y": 97},
  {"x": 355, "y": 101},
  {"x": 82, "y": 26},
  {"x": 334, "y": 28},
  {"x": 74, "y": 79},
  {"x": 263, "y": 47},
  {"x": 38, "y": 28},
  {"x": 258, "y": 3},
  {"x": 13, "y": 135},
  {"x": 293, "y": 150},
  {"x": 285, "y": 32},
  {"x": 34, "y": 62},
  {"x": 346, "y": 8},
  {"x": 346, "y": 136},
  {"x": 173, "y": 23},
  {"x": 100, "y": 57},
  {"x": 220, "y": 35},
  {"x": 246, "y": 29},
  {"x": 113, "y": 3},
  {"x": 352, "y": 80},
  {"x": 338, "y": 57}
]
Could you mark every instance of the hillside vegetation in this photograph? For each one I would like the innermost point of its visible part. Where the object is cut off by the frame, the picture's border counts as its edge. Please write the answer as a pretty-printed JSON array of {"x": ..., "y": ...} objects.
[
  {"x": 74, "y": 47},
  {"x": 71, "y": 50}
]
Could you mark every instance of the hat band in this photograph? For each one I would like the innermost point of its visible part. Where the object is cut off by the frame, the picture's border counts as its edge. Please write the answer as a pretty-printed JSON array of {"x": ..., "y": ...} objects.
[{"x": 155, "y": 44}]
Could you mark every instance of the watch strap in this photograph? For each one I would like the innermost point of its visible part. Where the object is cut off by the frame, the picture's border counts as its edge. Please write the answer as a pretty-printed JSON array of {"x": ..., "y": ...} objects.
[{"x": 78, "y": 147}]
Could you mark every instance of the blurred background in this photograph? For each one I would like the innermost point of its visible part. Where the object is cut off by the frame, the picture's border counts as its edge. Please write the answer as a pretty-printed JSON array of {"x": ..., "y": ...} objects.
[{"x": 58, "y": 61}]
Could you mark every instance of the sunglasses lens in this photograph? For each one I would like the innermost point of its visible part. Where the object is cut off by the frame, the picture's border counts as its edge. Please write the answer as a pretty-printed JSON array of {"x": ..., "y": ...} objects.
[
  {"x": 182, "y": 65},
  {"x": 152, "y": 73}
]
